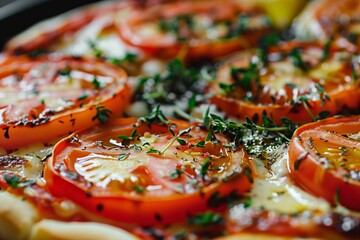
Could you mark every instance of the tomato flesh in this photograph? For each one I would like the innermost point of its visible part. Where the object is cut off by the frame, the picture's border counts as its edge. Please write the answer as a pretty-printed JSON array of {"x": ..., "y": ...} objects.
[
  {"x": 295, "y": 82},
  {"x": 325, "y": 159},
  {"x": 151, "y": 179},
  {"x": 47, "y": 98},
  {"x": 194, "y": 30}
]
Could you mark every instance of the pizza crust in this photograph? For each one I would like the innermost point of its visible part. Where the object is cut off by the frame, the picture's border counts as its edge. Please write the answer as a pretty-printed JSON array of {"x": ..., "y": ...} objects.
[
  {"x": 16, "y": 217},
  {"x": 56, "y": 230}
]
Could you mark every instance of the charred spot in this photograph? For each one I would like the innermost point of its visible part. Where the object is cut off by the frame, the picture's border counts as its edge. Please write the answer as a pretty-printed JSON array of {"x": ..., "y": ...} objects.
[
  {"x": 72, "y": 121},
  {"x": 158, "y": 217},
  {"x": 48, "y": 112},
  {"x": 76, "y": 57},
  {"x": 299, "y": 159},
  {"x": 309, "y": 143},
  {"x": 88, "y": 195},
  {"x": 46, "y": 157},
  {"x": 154, "y": 233},
  {"x": 296, "y": 108},
  {"x": 74, "y": 140},
  {"x": 31, "y": 123},
  {"x": 100, "y": 207},
  {"x": 6, "y": 133},
  {"x": 347, "y": 225},
  {"x": 33, "y": 54},
  {"x": 255, "y": 118},
  {"x": 19, "y": 51},
  {"x": 10, "y": 161}
]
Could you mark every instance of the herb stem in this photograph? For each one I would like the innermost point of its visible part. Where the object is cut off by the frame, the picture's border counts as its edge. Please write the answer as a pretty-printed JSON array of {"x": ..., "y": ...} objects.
[
  {"x": 308, "y": 110},
  {"x": 168, "y": 145},
  {"x": 185, "y": 115}
]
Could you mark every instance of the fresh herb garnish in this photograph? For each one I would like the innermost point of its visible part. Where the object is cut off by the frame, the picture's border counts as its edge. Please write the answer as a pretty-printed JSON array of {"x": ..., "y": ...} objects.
[
  {"x": 255, "y": 138},
  {"x": 177, "y": 83},
  {"x": 326, "y": 50},
  {"x": 97, "y": 84},
  {"x": 243, "y": 77},
  {"x": 154, "y": 151},
  {"x": 206, "y": 218},
  {"x": 205, "y": 167},
  {"x": 175, "y": 24},
  {"x": 155, "y": 116},
  {"x": 139, "y": 189},
  {"x": 123, "y": 156},
  {"x": 102, "y": 114},
  {"x": 176, "y": 173},
  {"x": 83, "y": 96},
  {"x": 16, "y": 182},
  {"x": 133, "y": 136},
  {"x": 247, "y": 203},
  {"x": 296, "y": 59},
  {"x": 129, "y": 57},
  {"x": 97, "y": 52}
]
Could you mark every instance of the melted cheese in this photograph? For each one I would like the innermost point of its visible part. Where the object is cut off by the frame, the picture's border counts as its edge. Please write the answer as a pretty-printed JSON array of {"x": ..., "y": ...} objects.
[
  {"x": 274, "y": 190},
  {"x": 34, "y": 154},
  {"x": 109, "y": 44}
]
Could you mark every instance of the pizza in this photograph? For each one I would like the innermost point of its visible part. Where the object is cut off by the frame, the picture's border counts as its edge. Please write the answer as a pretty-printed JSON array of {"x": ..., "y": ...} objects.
[
  {"x": 166, "y": 119},
  {"x": 324, "y": 19}
]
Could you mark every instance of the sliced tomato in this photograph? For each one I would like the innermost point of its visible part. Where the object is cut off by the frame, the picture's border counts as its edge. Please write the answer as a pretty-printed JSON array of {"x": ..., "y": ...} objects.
[
  {"x": 299, "y": 81},
  {"x": 194, "y": 29},
  {"x": 324, "y": 158},
  {"x": 60, "y": 29},
  {"x": 325, "y": 19},
  {"x": 150, "y": 178},
  {"x": 44, "y": 98}
]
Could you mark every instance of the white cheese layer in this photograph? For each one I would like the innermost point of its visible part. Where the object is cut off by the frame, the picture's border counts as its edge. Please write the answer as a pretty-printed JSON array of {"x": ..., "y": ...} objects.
[{"x": 273, "y": 189}]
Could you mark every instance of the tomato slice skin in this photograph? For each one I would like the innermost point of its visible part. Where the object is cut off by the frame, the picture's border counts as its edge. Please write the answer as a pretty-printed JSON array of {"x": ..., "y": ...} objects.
[
  {"x": 191, "y": 48},
  {"x": 158, "y": 202},
  {"x": 326, "y": 16},
  {"x": 281, "y": 89},
  {"x": 47, "y": 34},
  {"x": 323, "y": 158},
  {"x": 43, "y": 104}
]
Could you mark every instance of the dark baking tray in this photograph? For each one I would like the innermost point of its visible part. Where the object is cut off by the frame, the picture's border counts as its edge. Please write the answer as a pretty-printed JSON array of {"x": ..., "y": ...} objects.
[{"x": 18, "y": 15}]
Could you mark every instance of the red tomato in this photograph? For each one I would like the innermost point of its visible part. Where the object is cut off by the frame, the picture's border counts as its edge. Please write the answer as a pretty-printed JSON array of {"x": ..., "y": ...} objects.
[
  {"x": 148, "y": 178},
  {"x": 327, "y": 19},
  {"x": 41, "y": 99},
  {"x": 299, "y": 81},
  {"x": 59, "y": 29},
  {"x": 324, "y": 159},
  {"x": 194, "y": 29}
]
